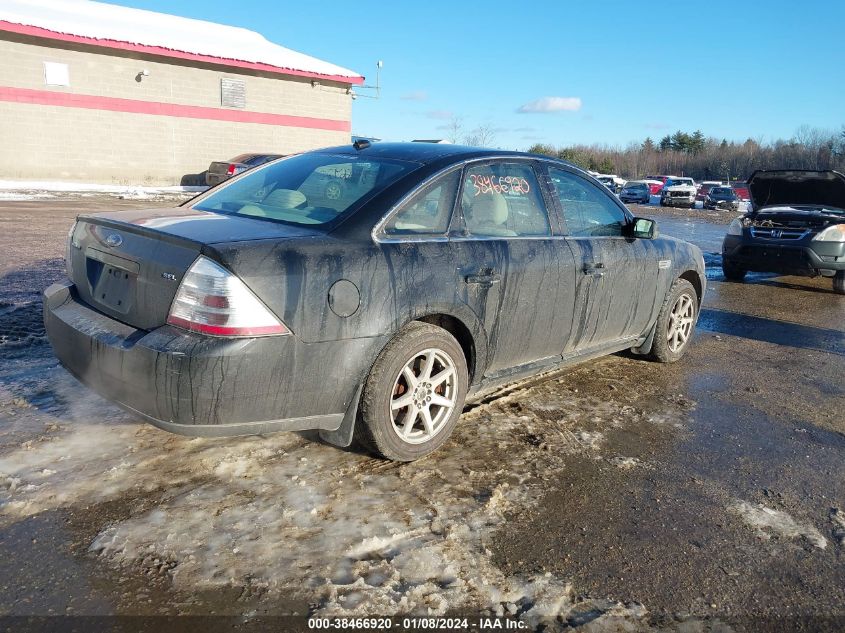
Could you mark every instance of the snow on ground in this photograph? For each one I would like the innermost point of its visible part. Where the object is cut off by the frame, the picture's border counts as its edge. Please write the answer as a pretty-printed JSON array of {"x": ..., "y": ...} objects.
[
  {"x": 767, "y": 521},
  {"x": 15, "y": 196},
  {"x": 34, "y": 189},
  {"x": 837, "y": 517},
  {"x": 282, "y": 513}
]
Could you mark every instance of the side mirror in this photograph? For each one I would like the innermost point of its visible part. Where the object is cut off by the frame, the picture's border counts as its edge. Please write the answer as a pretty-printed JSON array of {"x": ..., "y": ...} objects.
[{"x": 644, "y": 228}]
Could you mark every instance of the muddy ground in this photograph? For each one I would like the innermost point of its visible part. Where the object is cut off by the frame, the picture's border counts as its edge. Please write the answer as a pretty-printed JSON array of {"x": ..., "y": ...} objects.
[{"x": 618, "y": 495}]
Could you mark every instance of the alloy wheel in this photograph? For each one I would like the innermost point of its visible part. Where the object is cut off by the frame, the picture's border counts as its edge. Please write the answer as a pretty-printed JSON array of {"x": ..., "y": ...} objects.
[
  {"x": 424, "y": 395},
  {"x": 681, "y": 320}
]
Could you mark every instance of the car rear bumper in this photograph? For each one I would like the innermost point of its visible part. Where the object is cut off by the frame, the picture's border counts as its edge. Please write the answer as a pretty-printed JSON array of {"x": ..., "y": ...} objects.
[
  {"x": 779, "y": 257},
  {"x": 215, "y": 179},
  {"x": 205, "y": 386}
]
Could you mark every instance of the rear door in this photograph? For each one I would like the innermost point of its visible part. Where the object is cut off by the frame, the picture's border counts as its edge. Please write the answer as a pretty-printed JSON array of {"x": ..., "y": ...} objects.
[
  {"x": 515, "y": 273},
  {"x": 616, "y": 275}
]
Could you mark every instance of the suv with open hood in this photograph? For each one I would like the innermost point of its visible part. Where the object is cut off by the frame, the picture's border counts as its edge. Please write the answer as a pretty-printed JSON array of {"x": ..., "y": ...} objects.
[{"x": 796, "y": 226}]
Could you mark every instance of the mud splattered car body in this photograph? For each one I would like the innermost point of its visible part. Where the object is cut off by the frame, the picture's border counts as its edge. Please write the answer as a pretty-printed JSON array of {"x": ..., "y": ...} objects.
[
  {"x": 796, "y": 226},
  {"x": 248, "y": 309}
]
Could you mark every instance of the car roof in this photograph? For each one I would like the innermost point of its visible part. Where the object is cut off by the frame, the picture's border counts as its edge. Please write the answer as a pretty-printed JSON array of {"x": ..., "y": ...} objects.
[{"x": 426, "y": 153}]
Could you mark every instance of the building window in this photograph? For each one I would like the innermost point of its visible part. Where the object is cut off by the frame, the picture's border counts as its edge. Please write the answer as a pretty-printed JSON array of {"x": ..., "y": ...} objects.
[
  {"x": 232, "y": 93},
  {"x": 56, "y": 74}
]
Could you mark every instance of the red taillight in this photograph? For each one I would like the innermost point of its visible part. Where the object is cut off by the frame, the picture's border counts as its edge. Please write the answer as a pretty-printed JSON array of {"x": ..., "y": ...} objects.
[
  {"x": 231, "y": 170},
  {"x": 213, "y": 301}
]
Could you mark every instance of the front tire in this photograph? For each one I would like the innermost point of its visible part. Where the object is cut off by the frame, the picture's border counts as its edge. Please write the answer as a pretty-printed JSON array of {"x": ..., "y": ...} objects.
[
  {"x": 414, "y": 394},
  {"x": 675, "y": 323},
  {"x": 839, "y": 283},
  {"x": 731, "y": 271}
]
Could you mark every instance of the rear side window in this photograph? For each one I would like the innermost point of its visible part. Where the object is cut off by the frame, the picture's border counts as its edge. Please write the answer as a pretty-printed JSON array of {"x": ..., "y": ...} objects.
[
  {"x": 311, "y": 188},
  {"x": 428, "y": 212},
  {"x": 503, "y": 200},
  {"x": 588, "y": 210}
]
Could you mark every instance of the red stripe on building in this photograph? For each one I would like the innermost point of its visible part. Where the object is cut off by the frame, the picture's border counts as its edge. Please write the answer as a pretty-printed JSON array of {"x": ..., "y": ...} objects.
[
  {"x": 115, "y": 104},
  {"x": 37, "y": 31}
]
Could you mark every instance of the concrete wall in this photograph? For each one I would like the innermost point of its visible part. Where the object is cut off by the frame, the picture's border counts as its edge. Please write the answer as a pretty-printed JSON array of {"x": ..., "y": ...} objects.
[{"x": 101, "y": 145}]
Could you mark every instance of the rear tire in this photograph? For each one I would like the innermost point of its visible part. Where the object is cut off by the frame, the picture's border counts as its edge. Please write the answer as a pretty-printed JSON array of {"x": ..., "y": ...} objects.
[
  {"x": 414, "y": 394},
  {"x": 675, "y": 323},
  {"x": 839, "y": 283},
  {"x": 732, "y": 272}
]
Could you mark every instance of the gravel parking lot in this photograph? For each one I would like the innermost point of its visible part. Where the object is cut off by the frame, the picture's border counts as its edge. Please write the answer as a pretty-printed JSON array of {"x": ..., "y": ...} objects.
[{"x": 620, "y": 494}]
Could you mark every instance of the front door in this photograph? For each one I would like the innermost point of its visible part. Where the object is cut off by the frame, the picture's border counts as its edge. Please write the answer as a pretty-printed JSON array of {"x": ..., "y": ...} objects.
[{"x": 616, "y": 275}]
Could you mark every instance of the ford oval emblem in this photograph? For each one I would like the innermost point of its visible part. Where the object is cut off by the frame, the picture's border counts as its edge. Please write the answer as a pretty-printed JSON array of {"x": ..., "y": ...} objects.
[{"x": 113, "y": 240}]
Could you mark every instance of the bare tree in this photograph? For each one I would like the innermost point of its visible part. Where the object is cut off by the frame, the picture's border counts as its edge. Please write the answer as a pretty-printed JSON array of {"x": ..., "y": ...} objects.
[
  {"x": 455, "y": 129},
  {"x": 481, "y": 136}
]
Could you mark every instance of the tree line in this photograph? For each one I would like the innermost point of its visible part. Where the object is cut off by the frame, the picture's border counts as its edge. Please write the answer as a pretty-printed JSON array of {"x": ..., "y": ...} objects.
[{"x": 703, "y": 158}]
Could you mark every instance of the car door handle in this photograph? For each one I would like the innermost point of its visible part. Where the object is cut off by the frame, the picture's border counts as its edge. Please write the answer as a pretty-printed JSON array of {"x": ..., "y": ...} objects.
[
  {"x": 483, "y": 279},
  {"x": 594, "y": 269}
]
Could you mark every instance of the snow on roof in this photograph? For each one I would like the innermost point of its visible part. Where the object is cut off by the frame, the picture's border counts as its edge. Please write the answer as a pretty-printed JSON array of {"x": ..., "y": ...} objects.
[{"x": 111, "y": 23}]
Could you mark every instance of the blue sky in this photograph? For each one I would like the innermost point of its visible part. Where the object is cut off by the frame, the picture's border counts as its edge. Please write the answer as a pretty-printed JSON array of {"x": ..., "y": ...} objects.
[{"x": 616, "y": 72}]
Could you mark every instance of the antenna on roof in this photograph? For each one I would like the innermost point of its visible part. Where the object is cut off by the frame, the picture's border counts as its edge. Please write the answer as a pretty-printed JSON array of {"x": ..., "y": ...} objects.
[{"x": 377, "y": 87}]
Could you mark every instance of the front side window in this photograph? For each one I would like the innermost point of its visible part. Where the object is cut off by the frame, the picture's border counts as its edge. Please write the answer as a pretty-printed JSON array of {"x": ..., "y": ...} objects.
[
  {"x": 503, "y": 200},
  {"x": 588, "y": 211},
  {"x": 428, "y": 212},
  {"x": 311, "y": 188}
]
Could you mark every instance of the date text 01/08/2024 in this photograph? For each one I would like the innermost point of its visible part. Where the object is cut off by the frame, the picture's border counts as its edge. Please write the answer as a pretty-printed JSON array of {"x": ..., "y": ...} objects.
[{"x": 418, "y": 624}]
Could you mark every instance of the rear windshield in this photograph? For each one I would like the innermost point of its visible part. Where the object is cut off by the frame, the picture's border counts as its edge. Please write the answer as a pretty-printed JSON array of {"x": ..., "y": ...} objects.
[
  {"x": 637, "y": 185},
  {"x": 305, "y": 189}
]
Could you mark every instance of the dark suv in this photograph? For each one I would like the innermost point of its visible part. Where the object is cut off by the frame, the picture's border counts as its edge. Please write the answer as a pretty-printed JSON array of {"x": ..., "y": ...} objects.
[{"x": 796, "y": 226}]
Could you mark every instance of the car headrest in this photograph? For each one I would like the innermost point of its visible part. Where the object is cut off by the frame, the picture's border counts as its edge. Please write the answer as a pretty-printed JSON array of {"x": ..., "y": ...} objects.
[
  {"x": 286, "y": 198},
  {"x": 489, "y": 209}
]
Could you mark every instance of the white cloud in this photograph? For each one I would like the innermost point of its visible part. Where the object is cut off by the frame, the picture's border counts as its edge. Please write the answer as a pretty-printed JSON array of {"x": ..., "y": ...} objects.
[
  {"x": 415, "y": 95},
  {"x": 551, "y": 104}
]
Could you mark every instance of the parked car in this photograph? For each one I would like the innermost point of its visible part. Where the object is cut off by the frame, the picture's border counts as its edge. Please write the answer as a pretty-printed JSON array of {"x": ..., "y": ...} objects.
[
  {"x": 721, "y": 198},
  {"x": 219, "y": 171},
  {"x": 635, "y": 191},
  {"x": 252, "y": 309},
  {"x": 611, "y": 181},
  {"x": 661, "y": 179},
  {"x": 678, "y": 192},
  {"x": 654, "y": 185},
  {"x": 741, "y": 189},
  {"x": 796, "y": 226},
  {"x": 705, "y": 187}
]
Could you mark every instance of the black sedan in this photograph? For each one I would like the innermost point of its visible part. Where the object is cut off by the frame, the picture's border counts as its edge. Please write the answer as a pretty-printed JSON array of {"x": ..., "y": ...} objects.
[
  {"x": 796, "y": 226},
  {"x": 721, "y": 198},
  {"x": 442, "y": 272}
]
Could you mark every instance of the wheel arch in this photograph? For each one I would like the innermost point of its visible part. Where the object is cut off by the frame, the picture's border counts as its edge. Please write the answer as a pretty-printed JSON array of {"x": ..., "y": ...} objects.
[
  {"x": 471, "y": 339},
  {"x": 694, "y": 278}
]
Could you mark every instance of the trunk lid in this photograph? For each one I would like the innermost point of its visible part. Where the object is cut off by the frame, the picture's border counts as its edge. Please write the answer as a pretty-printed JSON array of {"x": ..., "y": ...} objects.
[
  {"x": 129, "y": 264},
  {"x": 220, "y": 168},
  {"x": 785, "y": 188}
]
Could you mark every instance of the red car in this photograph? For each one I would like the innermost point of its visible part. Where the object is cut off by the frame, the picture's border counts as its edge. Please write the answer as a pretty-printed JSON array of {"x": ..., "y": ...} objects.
[
  {"x": 655, "y": 187},
  {"x": 741, "y": 190}
]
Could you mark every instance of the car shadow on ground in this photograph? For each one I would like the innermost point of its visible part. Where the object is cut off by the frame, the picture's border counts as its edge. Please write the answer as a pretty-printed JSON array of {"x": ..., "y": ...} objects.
[
  {"x": 772, "y": 331},
  {"x": 790, "y": 286}
]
